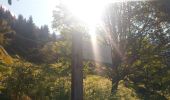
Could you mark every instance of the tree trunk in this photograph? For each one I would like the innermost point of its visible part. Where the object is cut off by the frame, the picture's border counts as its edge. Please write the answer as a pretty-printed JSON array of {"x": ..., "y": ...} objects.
[
  {"x": 115, "y": 83},
  {"x": 114, "y": 86},
  {"x": 116, "y": 60},
  {"x": 77, "y": 68}
]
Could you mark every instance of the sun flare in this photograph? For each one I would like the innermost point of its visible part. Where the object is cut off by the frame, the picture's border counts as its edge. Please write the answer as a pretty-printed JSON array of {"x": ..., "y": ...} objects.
[{"x": 88, "y": 11}]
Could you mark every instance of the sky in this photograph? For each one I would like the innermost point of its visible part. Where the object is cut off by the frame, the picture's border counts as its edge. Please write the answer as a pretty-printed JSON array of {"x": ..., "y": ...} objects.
[{"x": 40, "y": 10}]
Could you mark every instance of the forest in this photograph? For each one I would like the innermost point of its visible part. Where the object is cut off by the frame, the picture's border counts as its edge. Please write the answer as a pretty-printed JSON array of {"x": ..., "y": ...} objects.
[{"x": 36, "y": 64}]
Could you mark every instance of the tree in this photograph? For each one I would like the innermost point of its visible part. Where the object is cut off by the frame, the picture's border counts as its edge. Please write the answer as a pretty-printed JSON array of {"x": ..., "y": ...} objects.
[
  {"x": 44, "y": 34},
  {"x": 5, "y": 36},
  {"x": 63, "y": 20},
  {"x": 131, "y": 35},
  {"x": 4, "y": 31}
]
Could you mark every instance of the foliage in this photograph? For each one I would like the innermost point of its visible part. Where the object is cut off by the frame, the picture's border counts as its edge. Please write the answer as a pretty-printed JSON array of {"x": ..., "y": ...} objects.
[
  {"x": 28, "y": 38},
  {"x": 137, "y": 41},
  {"x": 98, "y": 88},
  {"x": 26, "y": 79},
  {"x": 4, "y": 57},
  {"x": 5, "y": 31},
  {"x": 138, "y": 33}
]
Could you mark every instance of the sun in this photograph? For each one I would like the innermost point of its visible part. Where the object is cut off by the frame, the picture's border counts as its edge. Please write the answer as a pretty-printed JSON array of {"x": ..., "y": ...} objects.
[{"x": 88, "y": 11}]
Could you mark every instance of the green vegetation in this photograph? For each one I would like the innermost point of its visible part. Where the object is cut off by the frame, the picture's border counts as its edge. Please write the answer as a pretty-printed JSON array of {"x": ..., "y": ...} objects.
[
  {"x": 139, "y": 35},
  {"x": 46, "y": 82}
]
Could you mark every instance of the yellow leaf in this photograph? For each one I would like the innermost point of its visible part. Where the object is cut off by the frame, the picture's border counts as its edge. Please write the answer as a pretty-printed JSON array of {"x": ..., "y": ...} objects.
[{"x": 4, "y": 57}]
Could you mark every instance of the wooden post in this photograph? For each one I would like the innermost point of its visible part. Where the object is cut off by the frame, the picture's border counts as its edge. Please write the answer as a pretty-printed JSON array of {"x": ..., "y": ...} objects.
[{"x": 77, "y": 68}]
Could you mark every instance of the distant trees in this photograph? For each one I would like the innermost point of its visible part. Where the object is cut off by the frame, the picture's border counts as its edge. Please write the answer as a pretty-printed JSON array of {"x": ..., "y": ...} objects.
[
  {"x": 28, "y": 38},
  {"x": 25, "y": 38},
  {"x": 5, "y": 32},
  {"x": 21, "y": 79}
]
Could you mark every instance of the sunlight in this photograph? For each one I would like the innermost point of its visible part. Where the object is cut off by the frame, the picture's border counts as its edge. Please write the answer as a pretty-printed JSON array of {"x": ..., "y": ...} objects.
[
  {"x": 87, "y": 11},
  {"x": 90, "y": 13}
]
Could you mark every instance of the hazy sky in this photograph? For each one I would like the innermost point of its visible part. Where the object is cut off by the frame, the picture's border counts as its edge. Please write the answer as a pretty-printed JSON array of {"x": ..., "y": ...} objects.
[{"x": 40, "y": 10}]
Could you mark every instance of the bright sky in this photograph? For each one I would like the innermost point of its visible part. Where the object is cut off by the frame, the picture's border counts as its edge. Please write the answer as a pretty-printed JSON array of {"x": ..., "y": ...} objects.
[
  {"x": 40, "y": 10},
  {"x": 88, "y": 11}
]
